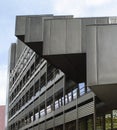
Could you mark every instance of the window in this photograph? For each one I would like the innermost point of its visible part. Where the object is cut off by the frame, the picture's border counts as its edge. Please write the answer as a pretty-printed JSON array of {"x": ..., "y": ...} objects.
[
  {"x": 90, "y": 124},
  {"x": 28, "y": 55},
  {"x": 88, "y": 89},
  {"x": 23, "y": 100},
  {"x": 66, "y": 99},
  {"x": 81, "y": 89},
  {"x": 60, "y": 102},
  {"x": 31, "y": 92},
  {"x": 27, "y": 96},
  {"x": 114, "y": 118},
  {"x": 19, "y": 106},
  {"x": 25, "y": 60},
  {"x": 42, "y": 112},
  {"x": 32, "y": 68},
  {"x": 43, "y": 80},
  {"x": 36, "y": 86},
  {"x": 21, "y": 85},
  {"x": 99, "y": 123},
  {"x": 32, "y": 118},
  {"x": 37, "y": 116},
  {"x": 56, "y": 104},
  {"x": 37, "y": 60},
  {"x": 49, "y": 109},
  {"x": 70, "y": 96},
  {"x": 28, "y": 74},
  {"x": 75, "y": 93},
  {"x": 108, "y": 121},
  {"x": 24, "y": 80},
  {"x": 50, "y": 72}
]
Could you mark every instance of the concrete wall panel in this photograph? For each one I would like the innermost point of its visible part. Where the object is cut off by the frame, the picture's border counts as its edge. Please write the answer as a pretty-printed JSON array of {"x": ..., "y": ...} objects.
[
  {"x": 62, "y": 36},
  {"x": 50, "y": 124},
  {"x": 59, "y": 85},
  {"x": 47, "y": 35},
  {"x": 34, "y": 29},
  {"x": 86, "y": 110},
  {"x": 101, "y": 55},
  {"x": 59, "y": 120},
  {"x": 49, "y": 93},
  {"x": 59, "y": 110},
  {"x": 58, "y": 36},
  {"x": 36, "y": 127},
  {"x": 42, "y": 98},
  {"x": 91, "y": 56},
  {"x": 42, "y": 126},
  {"x": 20, "y": 46},
  {"x": 86, "y": 21},
  {"x": 73, "y": 36},
  {"x": 20, "y": 25},
  {"x": 12, "y": 56},
  {"x": 107, "y": 54},
  {"x": 70, "y": 116}
]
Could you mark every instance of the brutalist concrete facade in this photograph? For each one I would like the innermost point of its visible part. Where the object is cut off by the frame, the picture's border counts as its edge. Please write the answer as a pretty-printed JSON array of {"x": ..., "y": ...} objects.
[{"x": 41, "y": 96}]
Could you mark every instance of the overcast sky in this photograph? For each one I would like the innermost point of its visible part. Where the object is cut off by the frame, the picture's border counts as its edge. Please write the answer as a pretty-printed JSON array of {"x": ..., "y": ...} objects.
[{"x": 10, "y": 8}]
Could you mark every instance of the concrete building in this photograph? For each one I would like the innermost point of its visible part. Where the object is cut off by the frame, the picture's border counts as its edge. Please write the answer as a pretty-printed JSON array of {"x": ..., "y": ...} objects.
[
  {"x": 68, "y": 81},
  {"x": 2, "y": 117}
]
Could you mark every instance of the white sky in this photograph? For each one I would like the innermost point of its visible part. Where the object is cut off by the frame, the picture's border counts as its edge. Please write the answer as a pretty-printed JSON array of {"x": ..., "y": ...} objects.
[{"x": 10, "y": 8}]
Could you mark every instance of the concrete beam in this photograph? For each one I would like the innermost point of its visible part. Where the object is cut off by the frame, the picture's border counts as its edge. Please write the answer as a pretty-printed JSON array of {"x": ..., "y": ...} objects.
[{"x": 101, "y": 54}]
